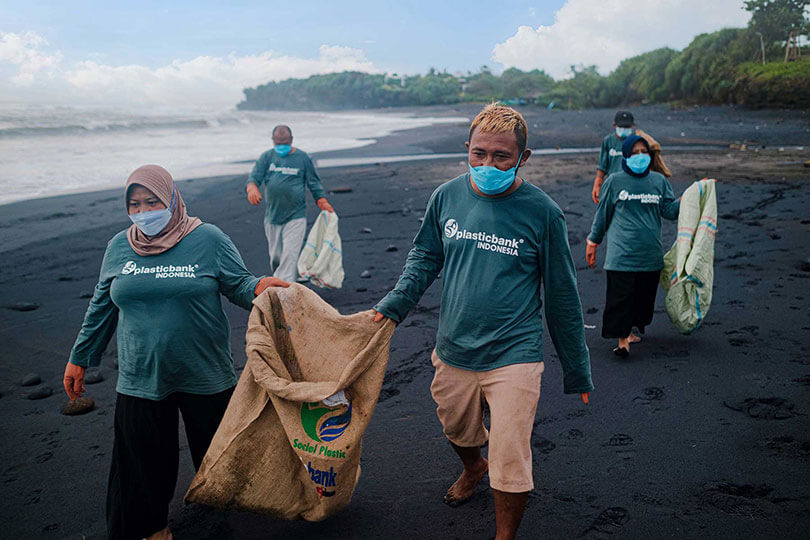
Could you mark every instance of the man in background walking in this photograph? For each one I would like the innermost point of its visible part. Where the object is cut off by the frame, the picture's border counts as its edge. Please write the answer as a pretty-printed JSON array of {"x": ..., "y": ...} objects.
[{"x": 280, "y": 178}]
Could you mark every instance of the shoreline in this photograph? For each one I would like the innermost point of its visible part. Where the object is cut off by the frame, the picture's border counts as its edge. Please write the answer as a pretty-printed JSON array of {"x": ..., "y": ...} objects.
[{"x": 684, "y": 129}]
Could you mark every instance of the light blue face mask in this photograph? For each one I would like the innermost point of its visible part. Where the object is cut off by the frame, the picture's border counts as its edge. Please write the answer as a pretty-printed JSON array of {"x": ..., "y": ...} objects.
[
  {"x": 282, "y": 149},
  {"x": 152, "y": 222},
  {"x": 623, "y": 132},
  {"x": 638, "y": 163},
  {"x": 492, "y": 180}
]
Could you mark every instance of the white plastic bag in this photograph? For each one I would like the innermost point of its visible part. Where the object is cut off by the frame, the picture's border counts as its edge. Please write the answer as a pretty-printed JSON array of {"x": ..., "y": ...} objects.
[{"x": 321, "y": 260}]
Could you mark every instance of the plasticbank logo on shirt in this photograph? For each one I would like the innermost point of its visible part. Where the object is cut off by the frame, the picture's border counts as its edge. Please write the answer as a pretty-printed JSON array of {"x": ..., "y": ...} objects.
[
  {"x": 615, "y": 153},
  {"x": 161, "y": 271},
  {"x": 483, "y": 239},
  {"x": 292, "y": 171},
  {"x": 644, "y": 198}
]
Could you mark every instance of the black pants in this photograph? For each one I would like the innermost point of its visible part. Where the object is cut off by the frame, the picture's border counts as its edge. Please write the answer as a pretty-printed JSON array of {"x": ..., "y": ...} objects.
[
  {"x": 145, "y": 458},
  {"x": 629, "y": 302}
]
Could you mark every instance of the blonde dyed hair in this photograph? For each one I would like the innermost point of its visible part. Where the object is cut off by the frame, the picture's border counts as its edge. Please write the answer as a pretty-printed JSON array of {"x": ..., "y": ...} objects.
[{"x": 496, "y": 118}]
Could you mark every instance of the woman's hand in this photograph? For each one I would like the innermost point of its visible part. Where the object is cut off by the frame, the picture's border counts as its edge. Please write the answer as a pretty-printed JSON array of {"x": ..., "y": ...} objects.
[
  {"x": 74, "y": 381},
  {"x": 267, "y": 282},
  {"x": 590, "y": 253},
  {"x": 378, "y": 317},
  {"x": 584, "y": 396},
  {"x": 253, "y": 194},
  {"x": 323, "y": 204}
]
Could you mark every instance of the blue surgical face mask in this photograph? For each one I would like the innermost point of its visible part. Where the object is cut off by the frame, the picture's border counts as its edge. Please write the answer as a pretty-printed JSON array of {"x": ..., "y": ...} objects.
[
  {"x": 283, "y": 149},
  {"x": 623, "y": 132},
  {"x": 638, "y": 163},
  {"x": 492, "y": 180},
  {"x": 152, "y": 222}
]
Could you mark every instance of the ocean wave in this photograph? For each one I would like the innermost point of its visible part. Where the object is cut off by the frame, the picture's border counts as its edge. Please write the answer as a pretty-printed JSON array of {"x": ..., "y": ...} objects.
[{"x": 95, "y": 127}]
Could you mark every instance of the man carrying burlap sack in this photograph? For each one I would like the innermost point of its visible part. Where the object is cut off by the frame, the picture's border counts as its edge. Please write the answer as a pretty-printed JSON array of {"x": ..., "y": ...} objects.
[
  {"x": 289, "y": 444},
  {"x": 497, "y": 238}
]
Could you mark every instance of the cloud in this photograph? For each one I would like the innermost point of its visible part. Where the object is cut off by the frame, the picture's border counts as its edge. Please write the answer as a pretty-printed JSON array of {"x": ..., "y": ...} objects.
[
  {"x": 204, "y": 81},
  {"x": 603, "y": 33},
  {"x": 23, "y": 51}
]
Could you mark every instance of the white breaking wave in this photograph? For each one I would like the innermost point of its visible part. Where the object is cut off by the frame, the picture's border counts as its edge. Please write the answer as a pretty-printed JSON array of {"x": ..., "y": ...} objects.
[{"x": 50, "y": 150}]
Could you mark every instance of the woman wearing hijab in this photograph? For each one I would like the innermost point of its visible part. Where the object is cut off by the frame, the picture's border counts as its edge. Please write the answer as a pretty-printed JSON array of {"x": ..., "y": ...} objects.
[
  {"x": 159, "y": 291},
  {"x": 630, "y": 209}
]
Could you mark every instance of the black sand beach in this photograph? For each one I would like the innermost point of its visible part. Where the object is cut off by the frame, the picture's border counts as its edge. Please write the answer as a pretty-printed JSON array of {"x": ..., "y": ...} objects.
[{"x": 705, "y": 436}]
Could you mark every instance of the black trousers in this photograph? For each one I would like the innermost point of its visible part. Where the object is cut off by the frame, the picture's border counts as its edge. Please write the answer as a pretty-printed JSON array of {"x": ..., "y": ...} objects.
[
  {"x": 629, "y": 302},
  {"x": 145, "y": 457}
]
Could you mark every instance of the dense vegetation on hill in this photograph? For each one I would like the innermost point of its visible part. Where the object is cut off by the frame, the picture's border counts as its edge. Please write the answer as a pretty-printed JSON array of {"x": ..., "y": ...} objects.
[{"x": 723, "y": 67}]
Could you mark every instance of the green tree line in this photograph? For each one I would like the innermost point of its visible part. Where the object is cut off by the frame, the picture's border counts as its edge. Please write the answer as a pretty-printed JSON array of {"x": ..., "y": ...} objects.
[{"x": 743, "y": 66}]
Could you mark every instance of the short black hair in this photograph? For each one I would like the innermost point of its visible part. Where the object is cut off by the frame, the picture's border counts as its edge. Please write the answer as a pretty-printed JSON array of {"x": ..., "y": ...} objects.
[{"x": 282, "y": 126}]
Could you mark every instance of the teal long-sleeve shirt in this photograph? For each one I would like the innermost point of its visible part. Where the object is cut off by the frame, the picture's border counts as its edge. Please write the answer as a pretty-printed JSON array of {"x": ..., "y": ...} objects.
[
  {"x": 629, "y": 212},
  {"x": 496, "y": 254},
  {"x": 166, "y": 312},
  {"x": 283, "y": 182},
  {"x": 610, "y": 155}
]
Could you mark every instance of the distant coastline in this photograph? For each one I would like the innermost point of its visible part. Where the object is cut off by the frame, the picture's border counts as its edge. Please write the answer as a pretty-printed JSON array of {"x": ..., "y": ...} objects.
[{"x": 714, "y": 69}]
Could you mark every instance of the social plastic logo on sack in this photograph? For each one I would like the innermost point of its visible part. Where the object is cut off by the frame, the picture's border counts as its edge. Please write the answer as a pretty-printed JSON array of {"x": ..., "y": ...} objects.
[
  {"x": 325, "y": 424},
  {"x": 450, "y": 228}
]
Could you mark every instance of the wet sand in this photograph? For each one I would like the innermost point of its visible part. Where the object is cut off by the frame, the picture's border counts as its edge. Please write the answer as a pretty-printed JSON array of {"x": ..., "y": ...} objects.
[{"x": 699, "y": 436}]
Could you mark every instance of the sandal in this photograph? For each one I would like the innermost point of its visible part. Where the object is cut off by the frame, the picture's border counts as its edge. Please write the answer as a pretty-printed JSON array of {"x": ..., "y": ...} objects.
[{"x": 621, "y": 352}]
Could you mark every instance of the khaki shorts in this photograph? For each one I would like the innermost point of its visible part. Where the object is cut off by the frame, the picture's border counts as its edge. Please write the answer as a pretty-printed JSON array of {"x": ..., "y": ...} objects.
[{"x": 512, "y": 393}]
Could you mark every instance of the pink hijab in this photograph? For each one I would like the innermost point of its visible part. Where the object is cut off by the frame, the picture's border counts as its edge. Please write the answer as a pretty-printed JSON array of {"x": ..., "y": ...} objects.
[{"x": 158, "y": 180}]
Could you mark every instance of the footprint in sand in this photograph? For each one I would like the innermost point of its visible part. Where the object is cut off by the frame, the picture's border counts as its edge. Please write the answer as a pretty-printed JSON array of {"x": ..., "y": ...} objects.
[
  {"x": 620, "y": 439},
  {"x": 623, "y": 444},
  {"x": 736, "y": 499},
  {"x": 677, "y": 353},
  {"x": 543, "y": 446},
  {"x": 804, "y": 266},
  {"x": 771, "y": 408},
  {"x": 789, "y": 446},
  {"x": 545, "y": 420},
  {"x": 608, "y": 522},
  {"x": 804, "y": 380},
  {"x": 655, "y": 504},
  {"x": 32, "y": 497},
  {"x": 738, "y": 342},
  {"x": 11, "y": 474},
  {"x": 573, "y": 435},
  {"x": 740, "y": 336},
  {"x": 652, "y": 393},
  {"x": 578, "y": 413}
]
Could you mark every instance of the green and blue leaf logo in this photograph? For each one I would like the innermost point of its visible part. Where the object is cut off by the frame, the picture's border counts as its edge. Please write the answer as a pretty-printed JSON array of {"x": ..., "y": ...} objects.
[{"x": 325, "y": 424}]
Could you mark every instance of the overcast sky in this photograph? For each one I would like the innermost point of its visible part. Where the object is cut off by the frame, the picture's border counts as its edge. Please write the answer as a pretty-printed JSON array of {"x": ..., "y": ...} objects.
[{"x": 203, "y": 53}]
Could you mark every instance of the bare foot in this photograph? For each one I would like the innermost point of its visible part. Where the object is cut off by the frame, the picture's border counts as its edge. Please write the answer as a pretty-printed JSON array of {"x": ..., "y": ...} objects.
[
  {"x": 633, "y": 338},
  {"x": 462, "y": 489}
]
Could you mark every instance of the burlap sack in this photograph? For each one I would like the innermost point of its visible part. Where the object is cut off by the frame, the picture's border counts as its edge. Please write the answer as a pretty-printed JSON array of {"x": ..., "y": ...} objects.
[{"x": 279, "y": 449}]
